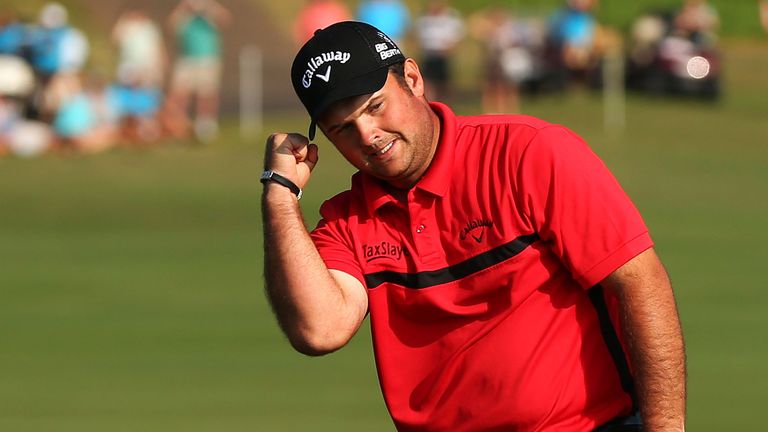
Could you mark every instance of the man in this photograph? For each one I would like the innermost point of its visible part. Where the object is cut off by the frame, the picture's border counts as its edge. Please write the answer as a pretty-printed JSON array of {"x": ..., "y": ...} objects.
[{"x": 498, "y": 258}]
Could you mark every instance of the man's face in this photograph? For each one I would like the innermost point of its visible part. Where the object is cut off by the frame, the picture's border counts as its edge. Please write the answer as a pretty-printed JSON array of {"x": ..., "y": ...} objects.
[{"x": 390, "y": 134}]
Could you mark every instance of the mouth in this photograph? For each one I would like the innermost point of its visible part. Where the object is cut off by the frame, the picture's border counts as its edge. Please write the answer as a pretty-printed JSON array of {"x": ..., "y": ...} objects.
[
  {"x": 382, "y": 153},
  {"x": 386, "y": 148}
]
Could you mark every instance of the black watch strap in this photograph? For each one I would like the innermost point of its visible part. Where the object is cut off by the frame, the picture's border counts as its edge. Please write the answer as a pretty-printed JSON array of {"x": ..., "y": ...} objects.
[{"x": 270, "y": 175}]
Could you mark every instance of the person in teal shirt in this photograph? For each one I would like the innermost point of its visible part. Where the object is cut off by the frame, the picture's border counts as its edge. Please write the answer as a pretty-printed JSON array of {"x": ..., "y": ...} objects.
[{"x": 197, "y": 69}]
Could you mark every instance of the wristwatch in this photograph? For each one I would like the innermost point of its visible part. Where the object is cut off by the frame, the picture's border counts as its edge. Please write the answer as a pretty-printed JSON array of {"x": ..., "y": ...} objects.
[{"x": 270, "y": 175}]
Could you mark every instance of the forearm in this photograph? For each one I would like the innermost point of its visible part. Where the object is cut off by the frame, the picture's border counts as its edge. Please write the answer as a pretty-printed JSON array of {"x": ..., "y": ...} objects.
[
  {"x": 653, "y": 333},
  {"x": 310, "y": 306},
  {"x": 658, "y": 355}
]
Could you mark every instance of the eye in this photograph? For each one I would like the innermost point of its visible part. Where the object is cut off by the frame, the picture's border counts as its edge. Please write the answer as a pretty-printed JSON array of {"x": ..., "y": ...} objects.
[
  {"x": 343, "y": 128},
  {"x": 375, "y": 106}
]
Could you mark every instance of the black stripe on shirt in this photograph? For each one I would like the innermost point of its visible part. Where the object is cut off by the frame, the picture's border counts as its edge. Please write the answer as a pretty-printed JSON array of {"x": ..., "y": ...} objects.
[
  {"x": 612, "y": 341},
  {"x": 455, "y": 272}
]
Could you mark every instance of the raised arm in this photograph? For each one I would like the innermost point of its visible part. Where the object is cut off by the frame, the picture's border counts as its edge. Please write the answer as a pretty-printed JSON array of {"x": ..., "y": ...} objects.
[
  {"x": 318, "y": 309},
  {"x": 653, "y": 333},
  {"x": 179, "y": 12},
  {"x": 218, "y": 13}
]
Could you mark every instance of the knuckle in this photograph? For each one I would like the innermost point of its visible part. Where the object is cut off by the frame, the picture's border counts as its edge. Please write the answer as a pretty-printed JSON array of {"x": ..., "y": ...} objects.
[
  {"x": 276, "y": 137},
  {"x": 297, "y": 139}
]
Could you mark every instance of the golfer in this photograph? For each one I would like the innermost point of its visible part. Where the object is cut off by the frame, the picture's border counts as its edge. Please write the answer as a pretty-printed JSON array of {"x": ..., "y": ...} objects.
[{"x": 511, "y": 283}]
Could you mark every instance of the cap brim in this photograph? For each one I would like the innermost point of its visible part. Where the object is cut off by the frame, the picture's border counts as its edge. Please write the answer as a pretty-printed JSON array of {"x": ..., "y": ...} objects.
[{"x": 370, "y": 82}]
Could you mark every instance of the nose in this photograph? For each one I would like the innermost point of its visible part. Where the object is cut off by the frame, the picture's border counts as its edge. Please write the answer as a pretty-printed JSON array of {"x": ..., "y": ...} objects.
[{"x": 369, "y": 131}]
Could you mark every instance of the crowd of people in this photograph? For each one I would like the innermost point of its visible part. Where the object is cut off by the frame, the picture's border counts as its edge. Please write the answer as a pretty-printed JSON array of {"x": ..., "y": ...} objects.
[
  {"x": 51, "y": 101},
  {"x": 676, "y": 52},
  {"x": 523, "y": 51}
]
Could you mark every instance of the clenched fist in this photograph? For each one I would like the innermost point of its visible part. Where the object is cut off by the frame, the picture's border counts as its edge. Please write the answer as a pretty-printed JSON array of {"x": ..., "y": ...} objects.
[{"x": 292, "y": 156}]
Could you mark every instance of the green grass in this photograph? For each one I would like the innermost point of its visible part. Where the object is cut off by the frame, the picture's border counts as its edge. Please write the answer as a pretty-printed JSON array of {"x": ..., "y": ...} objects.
[{"x": 131, "y": 281}]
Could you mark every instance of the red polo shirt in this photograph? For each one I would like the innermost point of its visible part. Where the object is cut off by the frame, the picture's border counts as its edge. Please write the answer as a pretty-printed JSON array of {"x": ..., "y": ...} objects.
[{"x": 482, "y": 291}]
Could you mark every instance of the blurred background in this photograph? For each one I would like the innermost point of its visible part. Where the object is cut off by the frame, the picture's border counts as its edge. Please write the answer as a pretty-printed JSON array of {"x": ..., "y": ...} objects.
[{"x": 131, "y": 139}]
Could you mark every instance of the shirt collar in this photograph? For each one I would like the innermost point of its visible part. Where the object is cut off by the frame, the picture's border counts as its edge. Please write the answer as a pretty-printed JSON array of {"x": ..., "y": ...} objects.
[
  {"x": 434, "y": 180},
  {"x": 439, "y": 171}
]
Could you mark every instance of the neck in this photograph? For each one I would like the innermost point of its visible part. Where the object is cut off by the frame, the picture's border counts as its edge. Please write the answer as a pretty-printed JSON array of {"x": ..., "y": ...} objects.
[{"x": 433, "y": 138}]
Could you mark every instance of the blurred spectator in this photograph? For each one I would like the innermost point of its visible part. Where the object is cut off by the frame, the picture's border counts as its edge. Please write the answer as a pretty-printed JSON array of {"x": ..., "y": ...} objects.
[
  {"x": 197, "y": 69},
  {"x": 698, "y": 21},
  {"x": 13, "y": 35},
  {"x": 647, "y": 32},
  {"x": 141, "y": 52},
  {"x": 764, "y": 14},
  {"x": 390, "y": 16},
  {"x": 513, "y": 56},
  {"x": 57, "y": 51},
  {"x": 58, "y": 90},
  {"x": 20, "y": 136},
  {"x": 318, "y": 14},
  {"x": 86, "y": 119},
  {"x": 7, "y": 119},
  {"x": 141, "y": 70},
  {"x": 572, "y": 34},
  {"x": 665, "y": 59},
  {"x": 438, "y": 31},
  {"x": 17, "y": 79},
  {"x": 138, "y": 108}
]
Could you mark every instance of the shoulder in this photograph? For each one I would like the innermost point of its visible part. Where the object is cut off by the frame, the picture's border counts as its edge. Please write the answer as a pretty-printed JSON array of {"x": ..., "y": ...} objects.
[
  {"x": 336, "y": 207},
  {"x": 515, "y": 125},
  {"x": 506, "y": 131},
  {"x": 518, "y": 139},
  {"x": 503, "y": 120},
  {"x": 356, "y": 204}
]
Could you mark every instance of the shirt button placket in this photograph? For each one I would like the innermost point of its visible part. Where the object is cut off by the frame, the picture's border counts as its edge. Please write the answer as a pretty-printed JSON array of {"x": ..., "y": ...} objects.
[
  {"x": 425, "y": 244},
  {"x": 422, "y": 223}
]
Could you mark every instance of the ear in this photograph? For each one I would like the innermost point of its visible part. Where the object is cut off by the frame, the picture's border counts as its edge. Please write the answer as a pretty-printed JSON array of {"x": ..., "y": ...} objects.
[{"x": 413, "y": 77}]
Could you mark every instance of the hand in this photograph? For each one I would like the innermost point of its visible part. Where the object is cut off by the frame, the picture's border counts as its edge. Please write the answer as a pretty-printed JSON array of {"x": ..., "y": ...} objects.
[{"x": 292, "y": 156}]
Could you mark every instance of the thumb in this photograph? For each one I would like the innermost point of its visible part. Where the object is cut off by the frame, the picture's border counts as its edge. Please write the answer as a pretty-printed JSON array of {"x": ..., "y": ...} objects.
[
  {"x": 312, "y": 156},
  {"x": 307, "y": 163}
]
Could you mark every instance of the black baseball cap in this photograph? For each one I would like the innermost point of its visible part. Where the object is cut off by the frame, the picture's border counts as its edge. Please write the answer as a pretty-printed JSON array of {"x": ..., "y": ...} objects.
[{"x": 349, "y": 58}]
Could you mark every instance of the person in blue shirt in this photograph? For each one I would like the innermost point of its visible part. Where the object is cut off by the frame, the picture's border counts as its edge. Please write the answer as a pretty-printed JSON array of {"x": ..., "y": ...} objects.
[
  {"x": 572, "y": 35},
  {"x": 13, "y": 35},
  {"x": 390, "y": 16}
]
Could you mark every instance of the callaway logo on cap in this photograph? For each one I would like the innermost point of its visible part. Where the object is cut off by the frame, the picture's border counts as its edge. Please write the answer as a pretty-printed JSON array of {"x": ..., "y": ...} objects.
[{"x": 346, "y": 59}]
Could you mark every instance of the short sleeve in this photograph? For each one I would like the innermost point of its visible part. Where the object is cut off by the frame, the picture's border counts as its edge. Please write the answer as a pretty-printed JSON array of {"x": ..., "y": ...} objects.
[
  {"x": 578, "y": 207},
  {"x": 334, "y": 245}
]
